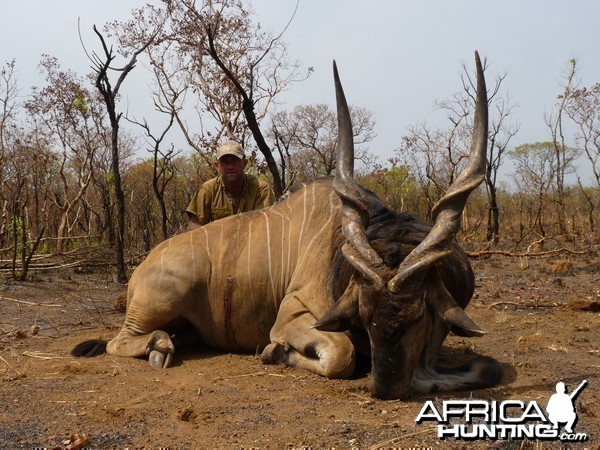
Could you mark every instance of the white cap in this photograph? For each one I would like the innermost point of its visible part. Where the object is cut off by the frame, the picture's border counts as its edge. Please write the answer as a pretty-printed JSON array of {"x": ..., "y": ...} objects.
[{"x": 230, "y": 148}]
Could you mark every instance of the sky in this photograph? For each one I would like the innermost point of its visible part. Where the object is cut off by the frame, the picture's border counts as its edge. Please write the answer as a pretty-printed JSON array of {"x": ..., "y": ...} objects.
[{"x": 396, "y": 57}]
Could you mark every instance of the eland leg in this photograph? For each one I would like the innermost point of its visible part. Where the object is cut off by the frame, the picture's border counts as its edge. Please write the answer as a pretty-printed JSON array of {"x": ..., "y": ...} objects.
[
  {"x": 295, "y": 343},
  {"x": 143, "y": 332},
  {"x": 156, "y": 344}
]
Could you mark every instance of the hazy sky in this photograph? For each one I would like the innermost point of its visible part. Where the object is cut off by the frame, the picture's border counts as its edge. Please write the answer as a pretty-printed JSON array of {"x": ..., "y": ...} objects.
[{"x": 396, "y": 57}]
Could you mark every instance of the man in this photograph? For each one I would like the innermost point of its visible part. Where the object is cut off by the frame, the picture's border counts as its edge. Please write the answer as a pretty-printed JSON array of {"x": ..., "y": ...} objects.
[{"x": 231, "y": 192}]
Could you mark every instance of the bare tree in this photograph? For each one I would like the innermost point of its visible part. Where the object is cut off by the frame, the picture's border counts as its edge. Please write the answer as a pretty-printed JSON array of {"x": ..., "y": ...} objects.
[
  {"x": 282, "y": 135},
  {"x": 591, "y": 204},
  {"x": 27, "y": 169},
  {"x": 499, "y": 136},
  {"x": 162, "y": 168},
  {"x": 238, "y": 68},
  {"x": 215, "y": 58},
  {"x": 110, "y": 94},
  {"x": 555, "y": 124},
  {"x": 421, "y": 150},
  {"x": 8, "y": 112},
  {"x": 70, "y": 113},
  {"x": 437, "y": 155},
  {"x": 583, "y": 108},
  {"x": 535, "y": 172},
  {"x": 306, "y": 139},
  {"x": 8, "y": 105}
]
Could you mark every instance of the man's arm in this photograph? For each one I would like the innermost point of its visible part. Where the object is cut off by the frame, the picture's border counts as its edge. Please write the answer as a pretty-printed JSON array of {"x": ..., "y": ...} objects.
[
  {"x": 266, "y": 195},
  {"x": 198, "y": 211}
]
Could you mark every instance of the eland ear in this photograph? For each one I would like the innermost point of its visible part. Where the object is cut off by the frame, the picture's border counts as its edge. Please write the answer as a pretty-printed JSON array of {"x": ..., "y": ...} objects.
[
  {"x": 342, "y": 315},
  {"x": 442, "y": 301},
  {"x": 462, "y": 325}
]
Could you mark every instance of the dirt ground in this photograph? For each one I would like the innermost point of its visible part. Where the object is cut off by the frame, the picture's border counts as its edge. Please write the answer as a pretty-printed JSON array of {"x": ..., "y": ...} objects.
[{"x": 541, "y": 314}]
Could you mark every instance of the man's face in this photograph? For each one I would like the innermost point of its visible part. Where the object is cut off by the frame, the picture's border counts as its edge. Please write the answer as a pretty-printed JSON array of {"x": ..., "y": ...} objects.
[{"x": 231, "y": 168}]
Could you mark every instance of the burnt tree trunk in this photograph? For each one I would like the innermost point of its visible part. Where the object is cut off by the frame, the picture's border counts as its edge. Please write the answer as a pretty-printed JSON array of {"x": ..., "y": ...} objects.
[
  {"x": 109, "y": 94},
  {"x": 493, "y": 223},
  {"x": 248, "y": 108}
]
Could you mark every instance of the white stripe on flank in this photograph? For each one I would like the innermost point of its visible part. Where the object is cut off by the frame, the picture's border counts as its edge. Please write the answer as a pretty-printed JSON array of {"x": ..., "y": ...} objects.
[
  {"x": 312, "y": 209},
  {"x": 221, "y": 251},
  {"x": 162, "y": 260},
  {"x": 193, "y": 253},
  {"x": 162, "y": 266},
  {"x": 249, "y": 264},
  {"x": 325, "y": 227},
  {"x": 288, "y": 273},
  {"x": 206, "y": 243},
  {"x": 304, "y": 217},
  {"x": 282, "y": 279},
  {"x": 268, "y": 228}
]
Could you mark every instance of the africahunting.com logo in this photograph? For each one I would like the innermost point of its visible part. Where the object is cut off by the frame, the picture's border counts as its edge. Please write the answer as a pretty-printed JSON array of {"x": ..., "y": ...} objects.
[{"x": 509, "y": 419}]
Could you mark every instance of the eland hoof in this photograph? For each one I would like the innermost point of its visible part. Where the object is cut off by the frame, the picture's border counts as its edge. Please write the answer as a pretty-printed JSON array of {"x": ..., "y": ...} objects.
[{"x": 159, "y": 360}]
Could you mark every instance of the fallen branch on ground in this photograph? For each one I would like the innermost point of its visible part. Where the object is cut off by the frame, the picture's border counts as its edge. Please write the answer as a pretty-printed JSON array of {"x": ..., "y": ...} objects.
[
  {"x": 557, "y": 251},
  {"x": 41, "y": 355},
  {"x": 525, "y": 305},
  {"x": 24, "y": 302}
]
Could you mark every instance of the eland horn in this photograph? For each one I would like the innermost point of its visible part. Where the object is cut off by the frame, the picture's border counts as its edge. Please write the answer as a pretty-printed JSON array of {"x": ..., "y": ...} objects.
[
  {"x": 355, "y": 214},
  {"x": 448, "y": 210}
]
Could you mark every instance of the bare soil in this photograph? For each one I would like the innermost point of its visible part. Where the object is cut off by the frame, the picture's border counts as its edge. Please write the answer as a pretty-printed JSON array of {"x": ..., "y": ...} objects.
[{"x": 541, "y": 314}]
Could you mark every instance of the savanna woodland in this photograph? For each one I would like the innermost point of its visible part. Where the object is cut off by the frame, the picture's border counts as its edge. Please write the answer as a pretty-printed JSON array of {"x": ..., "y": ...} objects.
[{"x": 89, "y": 190}]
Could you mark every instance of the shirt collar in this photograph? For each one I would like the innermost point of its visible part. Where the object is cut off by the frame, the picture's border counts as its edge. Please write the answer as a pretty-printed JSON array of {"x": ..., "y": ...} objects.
[{"x": 224, "y": 189}]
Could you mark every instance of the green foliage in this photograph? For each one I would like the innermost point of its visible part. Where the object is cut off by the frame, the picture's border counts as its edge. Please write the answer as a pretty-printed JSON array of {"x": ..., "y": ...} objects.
[
  {"x": 394, "y": 185},
  {"x": 536, "y": 149},
  {"x": 18, "y": 226},
  {"x": 45, "y": 248},
  {"x": 80, "y": 104},
  {"x": 19, "y": 230},
  {"x": 538, "y": 162},
  {"x": 110, "y": 182}
]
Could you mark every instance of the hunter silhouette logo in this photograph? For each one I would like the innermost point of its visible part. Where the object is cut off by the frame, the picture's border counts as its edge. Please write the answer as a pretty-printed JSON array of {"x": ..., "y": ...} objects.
[
  {"x": 561, "y": 407},
  {"x": 508, "y": 419}
]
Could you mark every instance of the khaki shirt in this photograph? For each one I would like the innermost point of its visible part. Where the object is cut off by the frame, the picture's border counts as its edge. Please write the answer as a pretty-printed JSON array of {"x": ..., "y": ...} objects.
[{"x": 212, "y": 201}]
